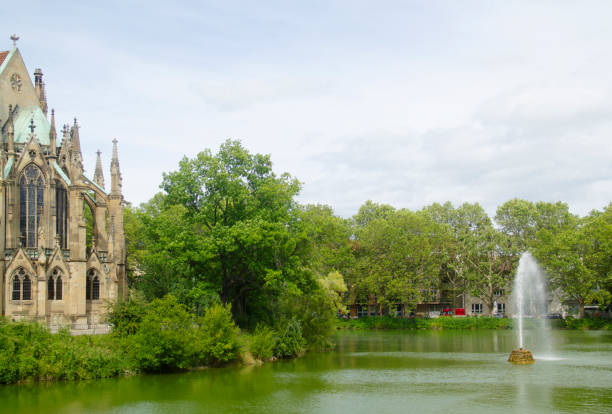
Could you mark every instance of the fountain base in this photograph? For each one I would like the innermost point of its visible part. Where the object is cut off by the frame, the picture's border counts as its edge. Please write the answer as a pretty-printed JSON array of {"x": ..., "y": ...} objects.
[{"x": 521, "y": 356}]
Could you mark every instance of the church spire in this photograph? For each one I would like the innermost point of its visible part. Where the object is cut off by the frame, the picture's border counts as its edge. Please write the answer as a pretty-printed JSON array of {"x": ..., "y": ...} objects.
[
  {"x": 52, "y": 136},
  {"x": 40, "y": 90},
  {"x": 99, "y": 175},
  {"x": 116, "y": 181}
]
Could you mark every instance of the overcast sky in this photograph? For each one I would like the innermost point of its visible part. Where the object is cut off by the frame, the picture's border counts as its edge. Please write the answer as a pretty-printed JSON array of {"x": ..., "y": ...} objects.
[{"x": 406, "y": 103}]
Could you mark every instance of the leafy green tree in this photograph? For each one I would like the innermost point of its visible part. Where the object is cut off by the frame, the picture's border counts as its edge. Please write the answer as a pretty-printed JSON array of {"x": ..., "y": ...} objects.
[
  {"x": 460, "y": 230},
  {"x": 329, "y": 237},
  {"x": 517, "y": 219},
  {"x": 577, "y": 260},
  {"x": 396, "y": 258},
  {"x": 371, "y": 211},
  {"x": 493, "y": 263},
  {"x": 227, "y": 225}
]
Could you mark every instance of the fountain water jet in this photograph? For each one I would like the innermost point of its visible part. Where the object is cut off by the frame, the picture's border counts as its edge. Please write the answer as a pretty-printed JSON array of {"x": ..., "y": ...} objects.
[{"x": 529, "y": 299}]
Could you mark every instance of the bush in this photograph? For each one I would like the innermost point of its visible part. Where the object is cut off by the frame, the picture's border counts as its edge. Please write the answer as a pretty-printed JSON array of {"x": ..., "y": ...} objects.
[
  {"x": 28, "y": 351},
  {"x": 390, "y": 322},
  {"x": 263, "y": 342},
  {"x": 587, "y": 323},
  {"x": 290, "y": 341},
  {"x": 166, "y": 338},
  {"x": 127, "y": 316},
  {"x": 218, "y": 336}
]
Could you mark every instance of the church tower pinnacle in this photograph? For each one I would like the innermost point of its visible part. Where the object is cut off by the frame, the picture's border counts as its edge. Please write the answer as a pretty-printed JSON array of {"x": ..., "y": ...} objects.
[
  {"x": 116, "y": 182},
  {"x": 39, "y": 85},
  {"x": 52, "y": 136},
  {"x": 99, "y": 175},
  {"x": 75, "y": 140}
]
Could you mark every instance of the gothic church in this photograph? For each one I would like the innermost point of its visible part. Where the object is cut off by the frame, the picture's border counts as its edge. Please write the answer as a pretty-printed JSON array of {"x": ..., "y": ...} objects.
[{"x": 62, "y": 245}]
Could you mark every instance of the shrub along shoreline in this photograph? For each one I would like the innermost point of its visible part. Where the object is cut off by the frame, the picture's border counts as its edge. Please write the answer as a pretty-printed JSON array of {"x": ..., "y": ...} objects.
[
  {"x": 474, "y": 322},
  {"x": 162, "y": 336},
  {"x": 156, "y": 337}
]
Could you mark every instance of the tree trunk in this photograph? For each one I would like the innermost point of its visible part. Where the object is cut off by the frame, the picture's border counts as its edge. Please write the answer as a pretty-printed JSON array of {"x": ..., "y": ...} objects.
[{"x": 580, "y": 309}]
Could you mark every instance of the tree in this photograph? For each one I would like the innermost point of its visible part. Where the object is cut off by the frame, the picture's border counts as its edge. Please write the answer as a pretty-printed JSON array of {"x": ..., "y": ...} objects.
[
  {"x": 492, "y": 265},
  {"x": 517, "y": 219},
  {"x": 329, "y": 236},
  {"x": 396, "y": 258},
  {"x": 227, "y": 225},
  {"x": 460, "y": 230},
  {"x": 577, "y": 260}
]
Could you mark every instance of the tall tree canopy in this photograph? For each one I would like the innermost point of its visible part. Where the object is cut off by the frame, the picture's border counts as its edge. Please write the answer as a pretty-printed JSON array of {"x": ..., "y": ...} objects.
[{"x": 227, "y": 225}]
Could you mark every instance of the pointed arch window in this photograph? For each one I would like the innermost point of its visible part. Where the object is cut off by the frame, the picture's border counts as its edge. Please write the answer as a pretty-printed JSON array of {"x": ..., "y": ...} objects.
[
  {"x": 31, "y": 199},
  {"x": 26, "y": 289},
  {"x": 92, "y": 288},
  {"x": 61, "y": 214},
  {"x": 16, "y": 288},
  {"x": 58, "y": 288},
  {"x": 50, "y": 289},
  {"x": 54, "y": 285},
  {"x": 22, "y": 286}
]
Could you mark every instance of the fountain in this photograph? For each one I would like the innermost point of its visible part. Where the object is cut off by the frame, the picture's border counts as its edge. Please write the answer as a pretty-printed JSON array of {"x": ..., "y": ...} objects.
[{"x": 529, "y": 300}]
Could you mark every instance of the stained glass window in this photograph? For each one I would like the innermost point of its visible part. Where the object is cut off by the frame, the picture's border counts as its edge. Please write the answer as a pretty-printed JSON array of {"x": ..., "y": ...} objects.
[
  {"x": 26, "y": 294},
  {"x": 31, "y": 203},
  {"x": 58, "y": 288},
  {"x": 16, "y": 288},
  {"x": 50, "y": 289},
  {"x": 61, "y": 206}
]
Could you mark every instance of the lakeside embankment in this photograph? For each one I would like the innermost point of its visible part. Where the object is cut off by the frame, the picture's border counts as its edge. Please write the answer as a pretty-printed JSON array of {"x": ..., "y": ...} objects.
[
  {"x": 29, "y": 352},
  {"x": 480, "y": 322},
  {"x": 158, "y": 337}
]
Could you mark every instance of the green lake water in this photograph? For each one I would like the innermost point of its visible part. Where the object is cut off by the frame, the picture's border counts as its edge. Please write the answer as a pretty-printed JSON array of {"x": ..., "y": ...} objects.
[{"x": 369, "y": 372}]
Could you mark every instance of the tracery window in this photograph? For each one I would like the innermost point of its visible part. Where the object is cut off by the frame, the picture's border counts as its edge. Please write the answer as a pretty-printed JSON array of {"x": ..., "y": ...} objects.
[
  {"x": 61, "y": 212},
  {"x": 92, "y": 288},
  {"x": 22, "y": 286},
  {"x": 31, "y": 190},
  {"x": 16, "y": 289},
  {"x": 54, "y": 285}
]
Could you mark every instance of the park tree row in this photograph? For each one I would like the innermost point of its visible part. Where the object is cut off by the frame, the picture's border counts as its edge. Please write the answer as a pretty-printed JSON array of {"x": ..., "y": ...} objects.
[{"x": 226, "y": 228}]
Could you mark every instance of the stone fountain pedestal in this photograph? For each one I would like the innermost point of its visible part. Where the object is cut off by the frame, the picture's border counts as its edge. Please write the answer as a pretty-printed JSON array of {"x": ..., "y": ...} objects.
[{"x": 521, "y": 356}]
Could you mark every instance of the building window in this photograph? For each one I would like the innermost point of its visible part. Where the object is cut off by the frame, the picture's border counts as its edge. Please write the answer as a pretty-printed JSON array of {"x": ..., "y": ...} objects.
[
  {"x": 22, "y": 286},
  {"x": 58, "y": 288},
  {"x": 16, "y": 288},
  {"x": 92, "y": 289},
  {"x": 50, "y": 289},
  {"x": 54, "y": 285},
  {"x": 26, "y": 289},
  {"x": 476, "y": 307},
  {"x": 499, "y": 292},
  {"x": 61, "y": 211},
  {"x": 501, "y": 308},
  {"x": 31, "y": 190}
]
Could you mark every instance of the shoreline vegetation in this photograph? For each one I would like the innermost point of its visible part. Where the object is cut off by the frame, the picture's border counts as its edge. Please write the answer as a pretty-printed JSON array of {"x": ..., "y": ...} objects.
[
  {"x": 168, "y": 339},
  {"x": 157, "y": 337},
  {"x": 464, "y": 323}
]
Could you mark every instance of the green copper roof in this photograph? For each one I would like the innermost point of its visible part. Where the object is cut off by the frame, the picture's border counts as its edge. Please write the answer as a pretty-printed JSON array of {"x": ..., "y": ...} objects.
[
  {"x": 7, "y": 59},
  {"x": 8, "y": 166},
  {"x": 62, "y": 173},
  {"x": 22, "y": 125}
]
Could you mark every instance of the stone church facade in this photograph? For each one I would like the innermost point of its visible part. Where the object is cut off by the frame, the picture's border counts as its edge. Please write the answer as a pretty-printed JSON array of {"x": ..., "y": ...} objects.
[{"x": 62, "y": 244}]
